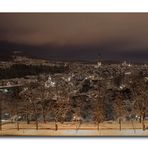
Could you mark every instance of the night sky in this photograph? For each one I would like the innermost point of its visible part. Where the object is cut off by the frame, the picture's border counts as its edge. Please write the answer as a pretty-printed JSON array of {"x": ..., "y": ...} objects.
[{"x": 69, "y": 36}]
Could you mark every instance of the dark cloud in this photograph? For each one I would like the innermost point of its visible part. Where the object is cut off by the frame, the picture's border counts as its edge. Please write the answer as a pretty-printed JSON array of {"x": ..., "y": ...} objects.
[{"x": 77, "y": 35}]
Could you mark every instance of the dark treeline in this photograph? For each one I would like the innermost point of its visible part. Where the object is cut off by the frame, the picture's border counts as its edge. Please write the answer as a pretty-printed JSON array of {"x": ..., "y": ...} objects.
[{"x": 21, "y": 70}]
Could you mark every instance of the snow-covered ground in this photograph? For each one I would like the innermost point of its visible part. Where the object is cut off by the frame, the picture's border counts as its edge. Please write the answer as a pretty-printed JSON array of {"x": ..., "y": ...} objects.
[
  {"x": 31, "y": 132},
  {"x": 70, "y": 129}
]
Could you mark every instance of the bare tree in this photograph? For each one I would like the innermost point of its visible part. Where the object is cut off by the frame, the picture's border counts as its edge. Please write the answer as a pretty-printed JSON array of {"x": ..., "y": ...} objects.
[
  {"x": 17, "y": 106},
  {"x": 1, "y": 105},
  {"x": 139, "y": 88},
  {"x": 44, "y": 100},
  {"x": 119, "y": 108},
  {"x": 140, "y": 107},
  {"x": 29, "y": 95},
  {"x": 99, "y": 114}
]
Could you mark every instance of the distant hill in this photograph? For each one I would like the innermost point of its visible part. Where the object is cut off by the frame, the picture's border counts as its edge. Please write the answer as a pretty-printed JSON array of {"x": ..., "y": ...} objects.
[{"x": 86, "y": 54}]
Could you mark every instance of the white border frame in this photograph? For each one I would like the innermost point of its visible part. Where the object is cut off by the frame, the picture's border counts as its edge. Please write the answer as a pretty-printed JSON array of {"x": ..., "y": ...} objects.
[{"x": 73, "y": 6}]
